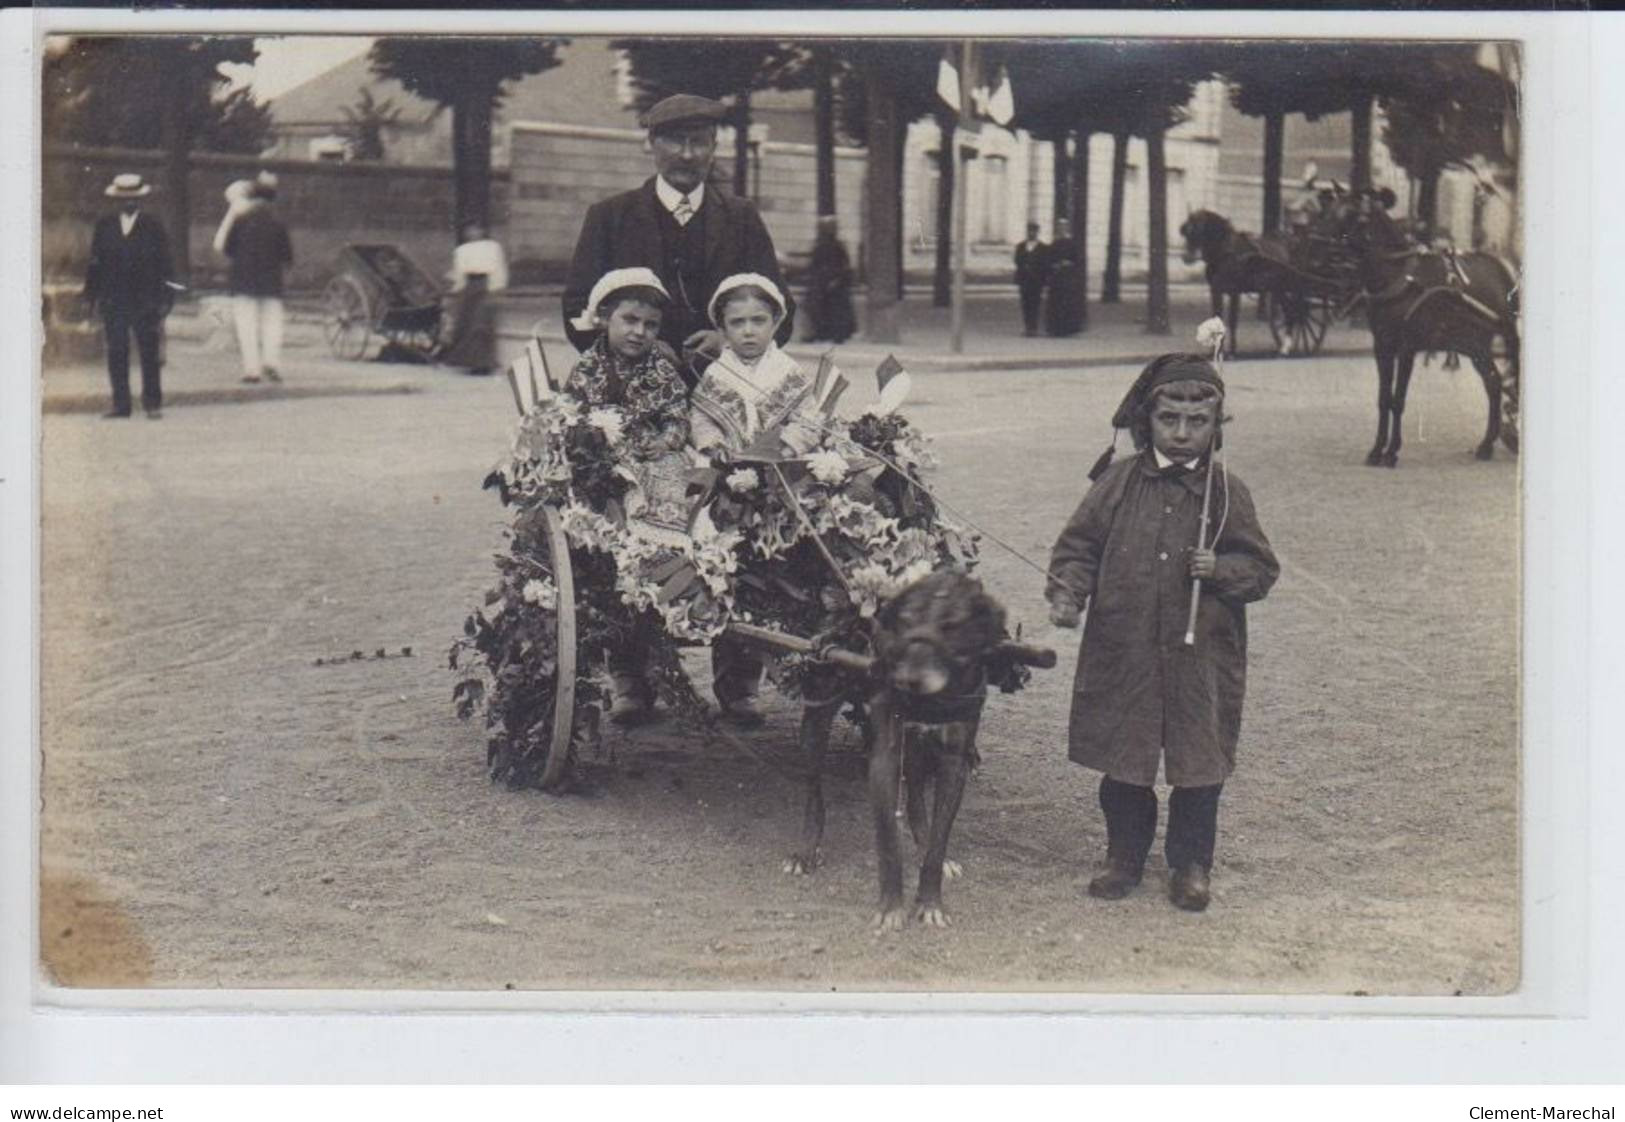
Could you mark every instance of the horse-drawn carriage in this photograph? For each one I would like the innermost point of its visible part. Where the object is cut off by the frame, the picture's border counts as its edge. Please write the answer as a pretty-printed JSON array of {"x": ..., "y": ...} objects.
[
  {"x": 1417, "y": 298},
  {"x": 1306, "y": 280},
  {"x": 379, "y": 291}
]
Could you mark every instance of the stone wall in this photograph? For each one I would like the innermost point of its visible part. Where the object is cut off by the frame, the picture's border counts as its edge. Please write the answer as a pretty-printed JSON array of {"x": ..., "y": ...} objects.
[{"x": 325, "y": 205}]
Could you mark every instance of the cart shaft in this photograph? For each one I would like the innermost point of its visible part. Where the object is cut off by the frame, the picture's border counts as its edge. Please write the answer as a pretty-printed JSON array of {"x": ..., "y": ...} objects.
[{"x": 779, "y": 642}]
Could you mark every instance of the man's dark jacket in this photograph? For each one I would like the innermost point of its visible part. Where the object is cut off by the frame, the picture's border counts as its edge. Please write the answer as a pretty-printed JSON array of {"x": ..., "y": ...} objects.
[
  {"x": 725, "y": 236},
  {"x": 129, "y": 274},
  {"x": 259, "y": 249},
  {"x": 1031, "y": 264}
]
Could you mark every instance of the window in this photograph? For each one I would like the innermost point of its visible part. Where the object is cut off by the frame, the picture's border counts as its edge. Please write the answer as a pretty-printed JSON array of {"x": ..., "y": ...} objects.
[{"x": 995, "y": 225}]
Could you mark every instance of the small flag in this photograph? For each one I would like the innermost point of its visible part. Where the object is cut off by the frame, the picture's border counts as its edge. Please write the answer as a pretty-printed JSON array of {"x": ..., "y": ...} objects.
[
  {"x": 948, "y": 83},
  {"x": 893, "y": 396},
  {"x": 1001, "y": 107},
  {"x": 836, "y": 389},
  {"x": 530, "y": 378},
  {"x": 887, "y": 370}
]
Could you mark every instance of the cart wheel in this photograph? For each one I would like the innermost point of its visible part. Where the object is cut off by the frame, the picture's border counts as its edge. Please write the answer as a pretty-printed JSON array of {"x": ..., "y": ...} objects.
[
  {"x": 1298, "y": 322},
  {"x": 564, "y": 696},
  {"x": 1504, "y": 356},
  {"x": 346, "y": 322}
]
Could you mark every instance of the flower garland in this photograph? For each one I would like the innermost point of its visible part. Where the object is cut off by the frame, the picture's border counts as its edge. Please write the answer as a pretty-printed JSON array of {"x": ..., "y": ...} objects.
[{"x": 751, "y": 556}]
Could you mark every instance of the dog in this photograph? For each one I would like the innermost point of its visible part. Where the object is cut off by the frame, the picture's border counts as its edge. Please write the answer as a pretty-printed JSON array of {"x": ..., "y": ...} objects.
[{"x": 923, "y": 701}]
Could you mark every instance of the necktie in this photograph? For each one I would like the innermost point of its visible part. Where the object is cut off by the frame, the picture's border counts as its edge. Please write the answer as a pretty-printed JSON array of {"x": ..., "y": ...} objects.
[{"x": 683, "y": 211}]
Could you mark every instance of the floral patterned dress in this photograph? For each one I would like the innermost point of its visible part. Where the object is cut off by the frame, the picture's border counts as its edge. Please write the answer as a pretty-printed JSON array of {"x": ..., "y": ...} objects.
[{"x": 653, "y": 401}]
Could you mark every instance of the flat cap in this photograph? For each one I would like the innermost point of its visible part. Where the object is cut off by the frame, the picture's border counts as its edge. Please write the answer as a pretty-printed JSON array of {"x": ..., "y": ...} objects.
[{"x": 683, "y": 109}]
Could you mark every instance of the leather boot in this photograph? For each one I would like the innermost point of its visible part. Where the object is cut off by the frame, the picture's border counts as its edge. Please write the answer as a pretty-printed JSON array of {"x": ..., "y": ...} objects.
[
  {"x": 1189, "y": 888},
  {"x": 1118, "y": 880}
]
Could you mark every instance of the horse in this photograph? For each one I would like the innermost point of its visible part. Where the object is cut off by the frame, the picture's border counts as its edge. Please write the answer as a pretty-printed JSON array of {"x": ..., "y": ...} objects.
[
  {"x": 1237, "y": 264},
  {"x": 1420, "y": 299}
]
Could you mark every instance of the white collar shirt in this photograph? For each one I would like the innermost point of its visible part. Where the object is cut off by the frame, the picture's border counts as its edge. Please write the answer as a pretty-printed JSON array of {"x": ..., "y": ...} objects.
[
  {"x": 670, "y": 196},
  {"x": 1164, "y": 462},
  {"x": 126, "y": 221}
]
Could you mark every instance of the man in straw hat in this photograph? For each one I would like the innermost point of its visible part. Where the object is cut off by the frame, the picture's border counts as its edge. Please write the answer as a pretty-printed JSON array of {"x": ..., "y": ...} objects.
[
  {"x": 689, "y": 232},
  {"x": 130, "y": 282}
]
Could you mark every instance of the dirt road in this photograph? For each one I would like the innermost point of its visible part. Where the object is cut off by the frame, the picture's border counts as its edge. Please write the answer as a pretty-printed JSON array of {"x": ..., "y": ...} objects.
[{"x": 221, "y": 811}]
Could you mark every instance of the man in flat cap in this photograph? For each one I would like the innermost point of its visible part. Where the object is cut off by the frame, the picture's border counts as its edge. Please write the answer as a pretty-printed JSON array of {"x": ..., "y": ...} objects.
[
  {"x": 689, "y": 232},
  {"x": 130, "y": 281}
]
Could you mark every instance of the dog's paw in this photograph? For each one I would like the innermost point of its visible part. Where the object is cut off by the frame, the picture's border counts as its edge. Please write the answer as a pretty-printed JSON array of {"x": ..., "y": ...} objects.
[
  {"x": 952, "y": 870},
  {"x": 890, "y": 919},
  {"x": 932, "y": 915},
  {"x": 799, "y": 865}
]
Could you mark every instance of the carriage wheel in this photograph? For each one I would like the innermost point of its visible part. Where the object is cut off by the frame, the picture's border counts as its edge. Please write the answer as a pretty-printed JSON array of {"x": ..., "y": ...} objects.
[
  {"x": 1298, "y": 322},
  {"x": 564, "y": 696},
  {"x": 1504, "y": 356},
  {"x": 346, "y": 321}
]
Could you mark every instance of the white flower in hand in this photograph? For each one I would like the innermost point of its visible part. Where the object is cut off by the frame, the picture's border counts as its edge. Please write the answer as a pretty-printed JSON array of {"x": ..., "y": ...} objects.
[
  {"x": 1210, "y": 333},
  {"x": 742, "y": 480},
  {"x": 827, "y": 467},
  {"x": 609, "y": 422}
]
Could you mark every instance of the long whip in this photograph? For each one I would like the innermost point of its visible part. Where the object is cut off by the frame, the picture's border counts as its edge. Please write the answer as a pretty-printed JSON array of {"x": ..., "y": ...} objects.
[{"x": 1214, "y": 326}]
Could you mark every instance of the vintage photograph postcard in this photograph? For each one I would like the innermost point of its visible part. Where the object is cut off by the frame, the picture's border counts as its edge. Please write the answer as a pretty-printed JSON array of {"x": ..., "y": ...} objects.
[{"x": 625, "y": 511}]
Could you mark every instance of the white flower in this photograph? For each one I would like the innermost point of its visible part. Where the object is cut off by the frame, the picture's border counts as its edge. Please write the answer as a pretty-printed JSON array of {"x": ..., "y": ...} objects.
[
  {"x": 827, "y": 467},
  {"x": 609, "y": 422},
  {"x": 743, "y": 479},
  {"x": 1210, "y": 333},
  {"x": 542, "y": 593}
]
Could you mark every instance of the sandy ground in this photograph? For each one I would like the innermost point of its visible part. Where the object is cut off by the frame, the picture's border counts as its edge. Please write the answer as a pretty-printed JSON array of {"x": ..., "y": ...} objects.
[{"x": 220, "y": 811}]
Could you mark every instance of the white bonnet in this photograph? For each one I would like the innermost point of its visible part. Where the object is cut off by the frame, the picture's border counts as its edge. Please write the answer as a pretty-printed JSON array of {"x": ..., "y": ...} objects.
[
  {"x": 638, "y": 277},
  {"x": 739, "y": 280}
]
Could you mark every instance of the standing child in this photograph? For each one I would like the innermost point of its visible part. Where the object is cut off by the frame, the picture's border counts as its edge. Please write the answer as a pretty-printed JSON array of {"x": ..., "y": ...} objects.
[
  {"x": 1143, "y": 697},
  {"x": 624, "y": 370},
  {"x": 752, "y": 388}
]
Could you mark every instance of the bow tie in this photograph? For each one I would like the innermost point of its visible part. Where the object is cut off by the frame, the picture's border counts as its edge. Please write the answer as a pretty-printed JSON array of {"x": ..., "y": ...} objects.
[{"x": 1175, "y": 470}]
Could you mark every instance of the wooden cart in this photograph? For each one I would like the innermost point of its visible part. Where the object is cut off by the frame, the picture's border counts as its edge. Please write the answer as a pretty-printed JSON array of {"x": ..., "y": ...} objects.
[{"x": 379, "y": 291}]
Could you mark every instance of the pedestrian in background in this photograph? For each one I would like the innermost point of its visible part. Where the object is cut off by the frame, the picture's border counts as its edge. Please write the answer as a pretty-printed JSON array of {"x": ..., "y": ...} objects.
[
  {"x": 478, "y": 270},
  {"x": 829, "y": 287},
  {"x": 130, "y": 282},
  {"x": 1063, "y": 312},
  {"x": 1032, "y": 269},
  {"x": 257, "y": 243}
]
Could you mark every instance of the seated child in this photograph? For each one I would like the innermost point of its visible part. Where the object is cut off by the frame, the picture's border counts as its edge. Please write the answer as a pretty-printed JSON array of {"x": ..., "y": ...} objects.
[
  {"x": 751, "y": 389},
  {"x": 1142, "y": 696},
  {"x": 624, "y": 370}
]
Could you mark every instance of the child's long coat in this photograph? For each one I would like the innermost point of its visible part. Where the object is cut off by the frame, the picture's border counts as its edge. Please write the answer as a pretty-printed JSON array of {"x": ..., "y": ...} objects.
[{"x": 1141, "y": 694}]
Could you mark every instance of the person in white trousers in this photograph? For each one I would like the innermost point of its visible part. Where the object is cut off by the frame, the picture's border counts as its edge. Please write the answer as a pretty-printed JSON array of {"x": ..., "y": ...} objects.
[{"x": 257, "y": 243}]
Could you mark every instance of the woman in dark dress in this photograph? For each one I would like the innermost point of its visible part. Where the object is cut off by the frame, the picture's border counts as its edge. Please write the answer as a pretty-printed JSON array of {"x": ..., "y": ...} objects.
[
  {"x": 829, "y": 288},
  {"x": 478, "y": 270},
  {"x": 1063, "y": 298}
]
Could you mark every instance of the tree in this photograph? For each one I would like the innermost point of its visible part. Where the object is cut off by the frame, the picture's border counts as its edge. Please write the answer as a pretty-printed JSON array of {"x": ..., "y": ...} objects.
[
  {"x": 906, "y": 70},
  {"x": 1446, "y": 113},
  {"x": 1157, "y": 84},
  {"x": 468, "y": 75},
  {"x": 365, "y": 122},
  {"x": 1062, "y": 94},
  {"x": 714, "y": 68},
  {"x": 164, "y": 92}
]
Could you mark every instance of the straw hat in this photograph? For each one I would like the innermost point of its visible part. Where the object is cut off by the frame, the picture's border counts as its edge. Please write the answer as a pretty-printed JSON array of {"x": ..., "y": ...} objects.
[{"x": 128, "y": 185}]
